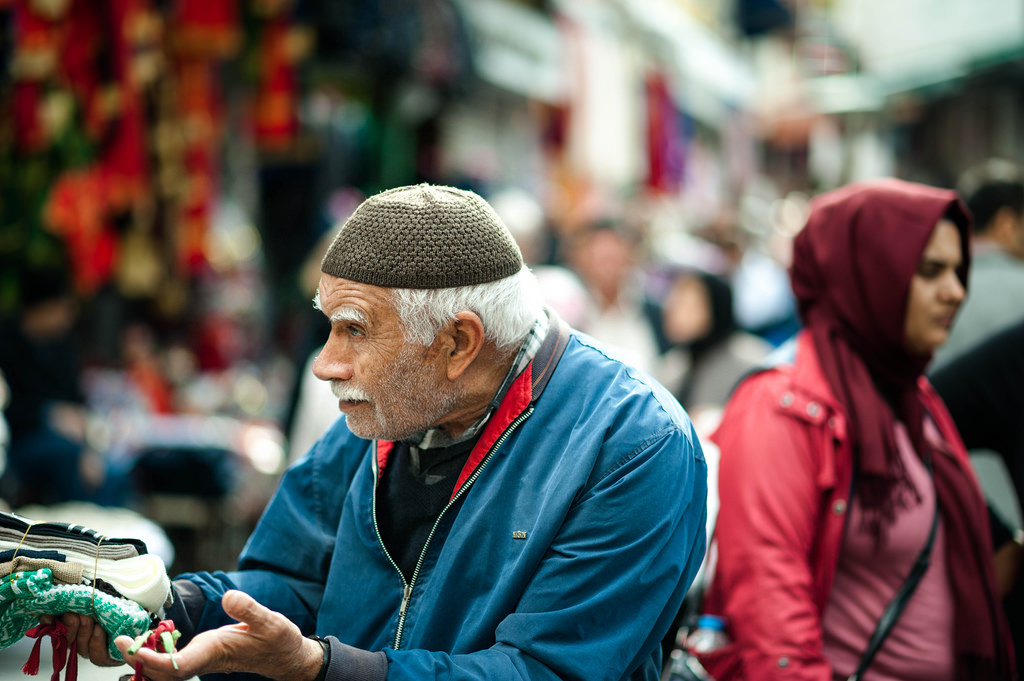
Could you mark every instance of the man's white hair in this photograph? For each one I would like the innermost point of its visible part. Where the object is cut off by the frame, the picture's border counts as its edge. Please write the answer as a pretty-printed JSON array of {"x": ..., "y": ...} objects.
[{"x": 507, "y": 307}]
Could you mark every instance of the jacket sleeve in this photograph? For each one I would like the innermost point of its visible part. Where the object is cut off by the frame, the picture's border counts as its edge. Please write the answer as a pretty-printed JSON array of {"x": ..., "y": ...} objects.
[
  {"x": 610, "y": 584},
  {"x": 298, "y": 517},
  {"x": 770, "y": 493}
]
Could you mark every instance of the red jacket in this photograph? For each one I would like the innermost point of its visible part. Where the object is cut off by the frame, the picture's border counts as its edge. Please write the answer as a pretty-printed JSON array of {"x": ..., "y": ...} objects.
[{"x": 784, "y": 483}]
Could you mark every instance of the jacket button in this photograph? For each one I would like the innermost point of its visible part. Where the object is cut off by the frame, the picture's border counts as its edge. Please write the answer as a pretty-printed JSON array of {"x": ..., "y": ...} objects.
[
  {"x": 839, "y": 507},
  {"x": 783, "y": 662},
  {"x": 787, "y": 399},
  {"x": 813, "y": 409}
]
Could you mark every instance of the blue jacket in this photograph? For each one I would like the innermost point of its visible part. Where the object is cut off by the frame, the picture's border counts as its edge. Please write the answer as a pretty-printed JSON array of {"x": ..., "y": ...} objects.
[{"x": 575, "y": 530}]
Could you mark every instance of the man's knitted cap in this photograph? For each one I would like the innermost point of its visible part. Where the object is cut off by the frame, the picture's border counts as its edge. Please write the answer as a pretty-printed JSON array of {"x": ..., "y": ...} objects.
[{"x": 423, "y": 237}]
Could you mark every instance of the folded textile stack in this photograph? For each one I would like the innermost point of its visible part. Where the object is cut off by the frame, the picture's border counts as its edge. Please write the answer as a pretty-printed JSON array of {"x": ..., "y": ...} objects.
[{"x": 52, "y": 568}]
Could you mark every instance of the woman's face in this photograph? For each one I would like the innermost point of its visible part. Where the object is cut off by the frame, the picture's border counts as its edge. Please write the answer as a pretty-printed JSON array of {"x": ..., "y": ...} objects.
[
  {"x": 687, "y": 313},
  {"x": 935, "y": 291}
]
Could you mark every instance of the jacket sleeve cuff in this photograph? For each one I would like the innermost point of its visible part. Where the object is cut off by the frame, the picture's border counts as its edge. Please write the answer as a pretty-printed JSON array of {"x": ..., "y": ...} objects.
[
  {"x": 352, "y": 664},
  {"x": 186, "y": 610}
]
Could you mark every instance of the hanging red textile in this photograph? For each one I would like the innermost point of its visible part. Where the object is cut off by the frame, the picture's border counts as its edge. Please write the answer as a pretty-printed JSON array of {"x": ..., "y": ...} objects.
[
  {"x": 64, "y": 655},
  {"x": 124, "y": 158},
  {"x": 38, "y": 36},
  {"x": 664, "y": 141},
  {"x": 200, "y": 112},
  {"x": 79, "y": 66},
  {"x": 77, "y": 211},
  {"x": 276, "y": 121},
  {"x": 207, "y": 29}
]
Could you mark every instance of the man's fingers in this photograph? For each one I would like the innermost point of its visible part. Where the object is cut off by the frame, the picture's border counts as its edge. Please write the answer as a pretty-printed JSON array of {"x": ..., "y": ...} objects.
[
  {"x": 123, "y": 643},
  {"x": 88, "y": 637},
  {"x": 244, "y": 608},
  {"x": 79, "y": 631},
  {"x": 158, "y": 666},
  {"x": 98, "y": 652}
]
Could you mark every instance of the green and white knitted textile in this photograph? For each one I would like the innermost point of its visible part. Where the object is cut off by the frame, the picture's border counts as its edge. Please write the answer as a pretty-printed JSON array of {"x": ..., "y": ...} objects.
[{"x": 26, "y": 595}]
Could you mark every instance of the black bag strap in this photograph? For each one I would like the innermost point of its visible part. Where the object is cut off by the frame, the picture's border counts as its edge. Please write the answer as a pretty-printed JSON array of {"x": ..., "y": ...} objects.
[
  {"x": 550, "y": 351},
  {"x": 896, "y": 606}
]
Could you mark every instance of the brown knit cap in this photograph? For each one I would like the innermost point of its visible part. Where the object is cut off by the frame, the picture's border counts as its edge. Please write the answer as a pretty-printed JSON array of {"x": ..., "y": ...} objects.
[{"x": 423, "y": 237}]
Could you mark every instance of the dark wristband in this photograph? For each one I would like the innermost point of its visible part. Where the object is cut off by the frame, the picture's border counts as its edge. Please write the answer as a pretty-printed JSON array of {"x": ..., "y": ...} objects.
[{"x": 326, "y": 645}]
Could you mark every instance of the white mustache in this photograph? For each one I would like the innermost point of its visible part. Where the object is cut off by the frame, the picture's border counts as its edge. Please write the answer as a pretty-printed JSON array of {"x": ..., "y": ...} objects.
[{"x": 344, "y": 391}]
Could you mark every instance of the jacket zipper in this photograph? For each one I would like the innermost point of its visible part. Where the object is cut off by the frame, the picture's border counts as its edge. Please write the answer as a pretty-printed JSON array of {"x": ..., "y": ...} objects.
[{"x": 407, "y": 586}]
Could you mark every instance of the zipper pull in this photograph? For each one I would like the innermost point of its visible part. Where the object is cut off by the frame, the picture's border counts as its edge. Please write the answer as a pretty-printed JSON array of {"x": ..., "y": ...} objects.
[{"x": 406, "y": 597}]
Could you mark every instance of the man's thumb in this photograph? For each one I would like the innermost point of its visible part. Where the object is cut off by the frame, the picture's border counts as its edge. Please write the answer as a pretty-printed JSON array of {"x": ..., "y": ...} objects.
[{"x": 244, "y": 608}]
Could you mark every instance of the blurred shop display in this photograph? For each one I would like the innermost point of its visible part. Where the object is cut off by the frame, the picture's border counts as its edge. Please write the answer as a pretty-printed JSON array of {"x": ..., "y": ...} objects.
[{"x": 203, "y": 479}]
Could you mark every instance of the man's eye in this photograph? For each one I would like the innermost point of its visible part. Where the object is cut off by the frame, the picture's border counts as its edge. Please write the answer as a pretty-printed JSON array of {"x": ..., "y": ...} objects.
[{"x": 355, "y": 331}]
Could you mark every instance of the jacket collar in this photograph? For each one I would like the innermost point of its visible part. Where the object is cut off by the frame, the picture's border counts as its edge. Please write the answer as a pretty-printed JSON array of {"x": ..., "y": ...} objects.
[{"x": 523, "y": 393}]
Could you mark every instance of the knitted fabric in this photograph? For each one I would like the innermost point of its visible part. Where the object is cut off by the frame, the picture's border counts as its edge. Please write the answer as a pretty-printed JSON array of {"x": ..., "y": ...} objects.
[
  {"x": 26, "y": 595},
  {"x": 16, "y": 528},
  {"x": 10, "y": 540},
  {"x": 61, "y": 572},
  {"x": 423, "y": 237}
]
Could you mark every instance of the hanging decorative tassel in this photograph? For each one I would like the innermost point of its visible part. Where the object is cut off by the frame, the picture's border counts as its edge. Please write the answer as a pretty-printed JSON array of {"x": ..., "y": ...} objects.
[{"x": 63, "y": 654}]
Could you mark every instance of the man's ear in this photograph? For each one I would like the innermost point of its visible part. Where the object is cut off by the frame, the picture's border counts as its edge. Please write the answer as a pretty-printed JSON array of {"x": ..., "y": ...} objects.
[{"x": 462, "y": 342}]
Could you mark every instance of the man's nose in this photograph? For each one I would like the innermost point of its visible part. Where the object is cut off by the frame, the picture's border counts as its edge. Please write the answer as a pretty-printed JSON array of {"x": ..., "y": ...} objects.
[{"x": 332, "y": 363}]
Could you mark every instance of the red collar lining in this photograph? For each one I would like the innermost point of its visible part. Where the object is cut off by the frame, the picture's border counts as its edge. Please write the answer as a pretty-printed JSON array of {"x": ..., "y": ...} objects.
[{"x": 516, "y": 400}]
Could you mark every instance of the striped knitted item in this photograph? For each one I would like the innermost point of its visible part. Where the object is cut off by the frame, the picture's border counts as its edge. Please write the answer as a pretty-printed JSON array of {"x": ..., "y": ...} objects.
[{"x": 26, "y": 595}]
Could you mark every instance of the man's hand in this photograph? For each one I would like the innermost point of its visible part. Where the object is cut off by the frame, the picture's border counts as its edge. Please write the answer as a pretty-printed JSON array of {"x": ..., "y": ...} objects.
[
  {"x": 263, "y": 641},
  {"x": 90, "y": 637}
]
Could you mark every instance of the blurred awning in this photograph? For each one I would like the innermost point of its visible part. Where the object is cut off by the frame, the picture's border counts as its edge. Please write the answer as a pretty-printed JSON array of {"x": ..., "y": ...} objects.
[
  {"x": 516, "y": 48},
  {"x": 916, "y": 45},
  {"x": 845, "y": 93}
]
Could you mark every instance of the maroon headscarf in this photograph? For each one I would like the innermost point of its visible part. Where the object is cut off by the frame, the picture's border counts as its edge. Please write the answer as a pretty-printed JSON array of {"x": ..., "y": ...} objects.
[{"x": 852, "y": 267}]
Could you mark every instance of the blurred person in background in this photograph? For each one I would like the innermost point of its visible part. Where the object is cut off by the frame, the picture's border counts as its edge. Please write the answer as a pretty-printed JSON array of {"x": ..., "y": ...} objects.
[
  {"x": 708, "y": 352},
  {"x": 606, "y": 261},
  {"x": 143, "y": 365},
  {"x": 840, "y": 467},
  {"x": 49, "y": 459},
  {"x": 500, "y": 499},
  {"x": 983, "y": 387},
  {"x": 562, "y": 289},
  {"x": 994, "y": 194},
  {"x": 707, "y": 355},
  {"x": 312, "y": 407},
  {"x": 762, "y": 299}
]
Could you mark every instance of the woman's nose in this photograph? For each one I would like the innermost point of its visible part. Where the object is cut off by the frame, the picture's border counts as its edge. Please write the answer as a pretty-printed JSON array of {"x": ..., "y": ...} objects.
[{"x": 953, "y": 291}]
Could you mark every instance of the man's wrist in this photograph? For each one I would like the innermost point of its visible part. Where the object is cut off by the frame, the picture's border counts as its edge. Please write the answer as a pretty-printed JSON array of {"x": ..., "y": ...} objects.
[{"x": 325, "y": 661}]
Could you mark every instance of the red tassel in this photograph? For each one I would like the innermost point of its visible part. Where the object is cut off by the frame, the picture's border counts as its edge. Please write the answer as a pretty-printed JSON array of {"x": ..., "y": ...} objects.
[
  {"x": 71, "y": 673},
  {"x": 56, "y": 632},
  {"x": 31, "y": 666},
  {"x": 60, "y": 654}
]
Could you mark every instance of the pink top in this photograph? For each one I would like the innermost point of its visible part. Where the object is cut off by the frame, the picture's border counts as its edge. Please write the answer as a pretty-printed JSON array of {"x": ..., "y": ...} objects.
[{"x": 920, "y": 645}]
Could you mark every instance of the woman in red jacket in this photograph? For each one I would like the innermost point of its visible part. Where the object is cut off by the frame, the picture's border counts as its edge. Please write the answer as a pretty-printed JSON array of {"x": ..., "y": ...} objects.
[{"x": 832, "y": 465}]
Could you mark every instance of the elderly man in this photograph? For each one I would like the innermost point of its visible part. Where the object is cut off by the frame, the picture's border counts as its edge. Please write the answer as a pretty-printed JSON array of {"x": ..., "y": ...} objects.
[{"x": 501, "y": 499}]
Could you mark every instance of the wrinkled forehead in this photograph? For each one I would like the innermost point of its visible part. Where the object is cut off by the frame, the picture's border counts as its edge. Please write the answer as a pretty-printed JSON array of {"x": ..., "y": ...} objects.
[{"x": 346, "y": 300}]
